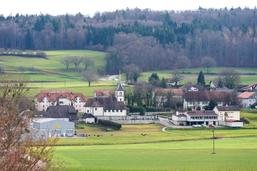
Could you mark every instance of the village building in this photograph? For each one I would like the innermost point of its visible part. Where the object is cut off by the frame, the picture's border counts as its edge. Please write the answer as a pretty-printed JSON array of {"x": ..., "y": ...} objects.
[
  {"x": 52, "y": 98},
  {"x": 200, "y": 99},
  {"x": 161, "y": 95},
  {"x": 59, "y": 111},
  {"x": 193, "y": 118},
  {"x": 228, "y": 116},
  {"x": 105, "y": 106},
  {"x": 250, "y": 88},
  {"x": 247, "y": 99},
  {"x": 53, "y": 127},
  {"x": 88, "y": 118}
]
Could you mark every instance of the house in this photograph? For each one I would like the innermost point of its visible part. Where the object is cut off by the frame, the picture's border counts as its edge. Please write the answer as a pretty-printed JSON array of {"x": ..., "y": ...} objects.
[
  {"x": 200, "y": 99},
  {"x": 59, "y": 111},
  {"x": 197, "y": 117},
  {"x": 247, "y": 99},
  {"x": 53, "y": 127},
  {"x": 52, "y": 98},
  {"x": 250, "y": 88},
  {"x": 105, "y": 106},
  {"x": 161, "y": 95},
  {"x": 89, "y": 118},
  {"x": 228, "y": 115}
]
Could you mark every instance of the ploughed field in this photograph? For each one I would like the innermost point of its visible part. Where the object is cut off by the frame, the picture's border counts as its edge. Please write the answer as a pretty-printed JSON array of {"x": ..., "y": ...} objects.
[{"x": 147, "y": 147}]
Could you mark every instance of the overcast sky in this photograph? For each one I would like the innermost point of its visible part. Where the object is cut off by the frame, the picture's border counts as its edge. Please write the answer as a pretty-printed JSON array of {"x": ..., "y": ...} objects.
[{"x": 90, "y": 7}]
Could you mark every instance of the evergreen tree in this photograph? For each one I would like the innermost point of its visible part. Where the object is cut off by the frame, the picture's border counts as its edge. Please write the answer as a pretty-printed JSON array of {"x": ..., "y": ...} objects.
[{"x": 201, "y": 79}]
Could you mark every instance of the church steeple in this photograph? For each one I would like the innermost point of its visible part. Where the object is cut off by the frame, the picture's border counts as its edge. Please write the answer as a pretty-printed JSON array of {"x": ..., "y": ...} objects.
[{"x": 120, "y": 93}]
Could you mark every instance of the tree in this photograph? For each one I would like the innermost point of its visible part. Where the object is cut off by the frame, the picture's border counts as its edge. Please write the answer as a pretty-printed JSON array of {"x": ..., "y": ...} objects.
[
  {"x": 154, "y": 79},
  {"x": 163, "y": 83},
  {"x": 18, "y": 149},
  {"x": 230, "y": 78},
  {"x": 66, "y": 61},
  {"x": 182, "y": 62},
  {"x": 2, "y": 69},
  {"x": 76, "y": 61},
  {"x": 201, "y": 79},
  {"x": 89, "y": 75},
  {"x": 208, "y": 62},
  {"x": 132, "y": 73},
  {"x": 88, "y": 62},
  {"x": 176, "y": 78}
]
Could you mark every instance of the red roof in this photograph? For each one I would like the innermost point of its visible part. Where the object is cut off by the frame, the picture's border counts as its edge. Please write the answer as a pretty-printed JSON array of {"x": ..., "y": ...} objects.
[
  {"x": 57, "y": 94},
  {"x": 165, "y": 91},
  {"x": 99, "y": 93},
  {"x": 246, "y": 95}
]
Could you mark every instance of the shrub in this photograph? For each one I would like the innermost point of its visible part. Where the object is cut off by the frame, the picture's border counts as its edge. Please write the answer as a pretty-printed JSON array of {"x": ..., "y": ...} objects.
[{"x": 107, "y": 123}]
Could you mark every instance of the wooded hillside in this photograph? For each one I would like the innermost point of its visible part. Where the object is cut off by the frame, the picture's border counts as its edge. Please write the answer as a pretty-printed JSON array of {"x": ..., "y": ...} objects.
[{"x": 151, "y": 40}]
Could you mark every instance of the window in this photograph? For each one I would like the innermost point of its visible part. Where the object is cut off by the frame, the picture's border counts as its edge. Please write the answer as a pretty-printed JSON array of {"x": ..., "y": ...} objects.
[{"x": 95, "y": 108}]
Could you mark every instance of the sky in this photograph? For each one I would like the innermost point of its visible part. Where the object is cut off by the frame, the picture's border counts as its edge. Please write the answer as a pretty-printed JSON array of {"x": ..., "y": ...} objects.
[{"x": 90, "y": 7}]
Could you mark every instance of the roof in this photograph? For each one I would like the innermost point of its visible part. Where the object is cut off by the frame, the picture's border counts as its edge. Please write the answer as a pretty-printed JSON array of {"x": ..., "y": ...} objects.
[
  {"x": 165, "y": 91},
  {"x": 119, "y": 87},
  {"x": 108, "y": 103},
  {"x": 202, "y": 113},
  {"x": 228, "y": 108},
  {"x": 246, "y": 95},
  {"x": 218, "y": 96},
  {"x": 103, "y": 93},
  {"x": 60, "y": 111},
  {"x": 57, "y": 94},
  {"x": 88, "y": 115},
  {"x": 251, "y": 87}
]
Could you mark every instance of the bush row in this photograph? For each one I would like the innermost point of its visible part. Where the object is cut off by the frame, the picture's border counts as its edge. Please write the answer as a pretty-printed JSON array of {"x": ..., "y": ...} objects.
[{"x": 107, "y": 123}]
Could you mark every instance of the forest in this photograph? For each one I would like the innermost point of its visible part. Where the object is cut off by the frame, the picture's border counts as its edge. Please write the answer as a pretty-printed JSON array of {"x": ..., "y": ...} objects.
[{"x": 150, "y": 40}]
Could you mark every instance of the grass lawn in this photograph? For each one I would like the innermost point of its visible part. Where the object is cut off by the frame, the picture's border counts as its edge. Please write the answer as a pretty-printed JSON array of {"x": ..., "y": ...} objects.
[
  {"x": 146, "y": 147},
  {"x": 232, "y": 154}
]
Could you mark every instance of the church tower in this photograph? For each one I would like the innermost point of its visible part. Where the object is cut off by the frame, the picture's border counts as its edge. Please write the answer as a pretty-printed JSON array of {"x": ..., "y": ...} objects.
[{"x": 120, "y": 93}]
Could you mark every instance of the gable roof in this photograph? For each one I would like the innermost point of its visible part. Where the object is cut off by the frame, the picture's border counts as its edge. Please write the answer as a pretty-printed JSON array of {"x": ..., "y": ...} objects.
[
  {"x": 228, "y": 108},
  {"x": 57, "y": 94},
  {"x": 108, "y": 103},
  {"x": 103, "y": 93},
  {"x": 165, "y": 91},
  {"x": 246, "y": 95},
  {"x": 60, "y": 111},
  {"x": 119, "y": 87},
  {"x": 218, "y": 96}
]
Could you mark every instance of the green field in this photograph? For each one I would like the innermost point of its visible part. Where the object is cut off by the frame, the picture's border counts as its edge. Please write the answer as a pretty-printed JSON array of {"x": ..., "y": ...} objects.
[
  {"x": 247, "y": 75},
  {"x": 146, "y": 147}
]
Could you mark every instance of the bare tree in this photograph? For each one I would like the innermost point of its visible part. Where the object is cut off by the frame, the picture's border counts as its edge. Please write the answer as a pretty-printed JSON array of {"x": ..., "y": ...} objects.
[
  {"x": 89, "y": 76},
  {"x": 208, "y": 62},
  {"x": 229, "y": 78},
  {"x": 76, "y": 61},
  {"x": 132, "y": 73},
  {"x": 18, "y": 149},
  {"x": 88, "y": 62},
  {"x": 67, "y": 61}
]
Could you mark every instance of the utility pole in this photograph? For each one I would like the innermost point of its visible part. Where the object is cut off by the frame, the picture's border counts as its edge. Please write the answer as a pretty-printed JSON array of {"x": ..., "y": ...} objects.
[{"x": 213, "y": 139}]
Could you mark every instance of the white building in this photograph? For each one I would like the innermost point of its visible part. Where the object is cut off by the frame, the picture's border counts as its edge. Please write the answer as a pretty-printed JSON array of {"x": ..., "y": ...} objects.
[
  {"x": 247, "y": 98},
  {"x": 52, "y": 98},
  {"x": 228, "y": 116},
  {"x": 191, "y": 118},
  {"x": 200, "y": 99},
  {"x": 105, "y": 106},
  {"x": 53, "y": 127}
]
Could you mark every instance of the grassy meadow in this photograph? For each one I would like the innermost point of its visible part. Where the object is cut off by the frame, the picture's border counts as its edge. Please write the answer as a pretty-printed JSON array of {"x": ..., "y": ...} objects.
[{"x": 147, "y": 147}]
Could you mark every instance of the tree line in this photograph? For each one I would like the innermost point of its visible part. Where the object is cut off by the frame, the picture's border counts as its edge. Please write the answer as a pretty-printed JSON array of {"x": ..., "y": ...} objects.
[{"x": 145, "y": 38}]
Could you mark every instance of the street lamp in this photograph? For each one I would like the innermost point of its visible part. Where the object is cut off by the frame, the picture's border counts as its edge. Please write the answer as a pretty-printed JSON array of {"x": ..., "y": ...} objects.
[{"x": 213, "y": 139}]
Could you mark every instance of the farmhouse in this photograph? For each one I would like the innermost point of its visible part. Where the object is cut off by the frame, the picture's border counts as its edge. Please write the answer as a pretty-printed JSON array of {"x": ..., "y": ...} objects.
[
  {"x": 250, "y": 88},
  {"x": 201, "y": 99},
  {"x": 228, "y": 115},
  {"x": 53, "y": 127},
  {"x": 52, "y": 98},
  {"x": 247, "y": 98},
  {"x": 197, "y": 117}
]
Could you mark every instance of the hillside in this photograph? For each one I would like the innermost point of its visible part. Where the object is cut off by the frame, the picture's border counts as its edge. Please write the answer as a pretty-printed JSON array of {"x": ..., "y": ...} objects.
[{"x": 50, "y": 74}]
